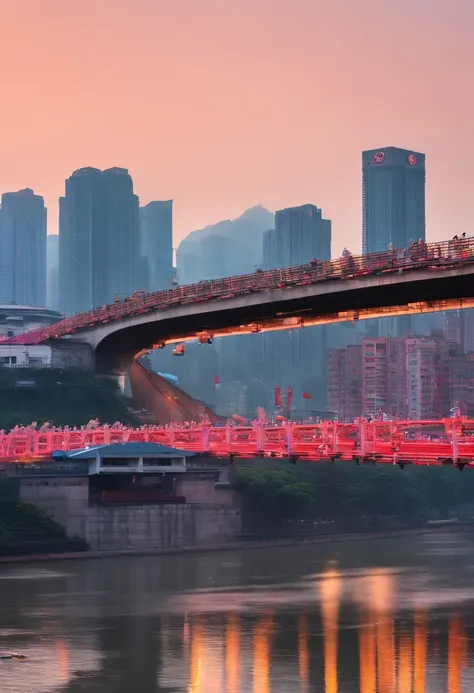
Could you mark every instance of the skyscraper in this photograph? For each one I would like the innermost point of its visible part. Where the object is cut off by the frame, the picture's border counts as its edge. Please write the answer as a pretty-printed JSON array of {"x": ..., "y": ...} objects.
[
  {"x": 300, "y": 235},
  {"x": 296, "y": 358},
  {"x": 23, "y": 248},
  {"x": 393, "y": 198},
  {"x": 80, "y": 232},
  {"x": 98, "y": 239},
  {"x": 121, "y": 233},
  {"x": 156, "y": 243}
]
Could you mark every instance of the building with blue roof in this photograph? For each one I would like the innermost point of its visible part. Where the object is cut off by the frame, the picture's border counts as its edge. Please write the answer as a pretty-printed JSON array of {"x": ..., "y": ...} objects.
[{"x": 131, "y": 458}]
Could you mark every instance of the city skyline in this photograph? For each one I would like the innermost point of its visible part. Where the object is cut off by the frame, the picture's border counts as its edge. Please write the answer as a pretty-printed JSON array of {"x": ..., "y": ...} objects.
[
  {"x": 356, "y": 246},
  {"x": 218, "y": 129},
  {"x": 154, "y": 204}
]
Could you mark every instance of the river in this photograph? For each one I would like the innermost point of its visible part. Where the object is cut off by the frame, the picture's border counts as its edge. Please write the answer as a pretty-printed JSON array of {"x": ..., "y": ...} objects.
[{"x": 378, "y": 616}]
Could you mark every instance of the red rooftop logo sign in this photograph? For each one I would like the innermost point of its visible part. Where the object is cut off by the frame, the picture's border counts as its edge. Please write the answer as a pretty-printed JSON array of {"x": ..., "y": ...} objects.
[
  {"x": 412, "y": 160},
  {"x": 378, "y": 158}
]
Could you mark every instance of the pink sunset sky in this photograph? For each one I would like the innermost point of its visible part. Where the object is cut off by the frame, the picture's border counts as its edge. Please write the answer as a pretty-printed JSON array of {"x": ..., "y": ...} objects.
[{"x": 225, "y": 104}]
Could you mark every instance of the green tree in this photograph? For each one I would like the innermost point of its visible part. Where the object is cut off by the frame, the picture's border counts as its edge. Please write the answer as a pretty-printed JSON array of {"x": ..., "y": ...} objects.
[{"x": 275, "y": 494}]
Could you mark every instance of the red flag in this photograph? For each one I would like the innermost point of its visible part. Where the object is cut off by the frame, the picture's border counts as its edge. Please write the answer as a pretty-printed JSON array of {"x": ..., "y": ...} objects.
[
  {"x": 289, "y": 396},
  {"x": 216, "y": 380},
  {"x": 278, "y": 397},
  {"x": 306, "y": 396}
]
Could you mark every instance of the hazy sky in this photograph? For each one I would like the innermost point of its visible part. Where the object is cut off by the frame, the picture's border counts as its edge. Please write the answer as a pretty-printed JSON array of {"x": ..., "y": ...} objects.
[{"x": 224, "y": 104}]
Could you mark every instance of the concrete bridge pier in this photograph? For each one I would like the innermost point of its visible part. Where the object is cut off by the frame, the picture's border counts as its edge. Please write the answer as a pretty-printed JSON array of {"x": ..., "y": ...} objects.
[
  {"x": 117, "y": 369},
  {"x": 120, "y": 379}
]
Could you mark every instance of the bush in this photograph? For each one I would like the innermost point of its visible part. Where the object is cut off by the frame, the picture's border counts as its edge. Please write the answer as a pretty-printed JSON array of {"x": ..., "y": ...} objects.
[
  {"x": 61, "y": 398},
  {"x": 346, "y": 493}
]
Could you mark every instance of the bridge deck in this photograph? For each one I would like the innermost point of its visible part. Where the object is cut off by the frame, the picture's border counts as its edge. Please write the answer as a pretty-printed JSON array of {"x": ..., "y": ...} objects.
[{"x": 437, "y": 257}]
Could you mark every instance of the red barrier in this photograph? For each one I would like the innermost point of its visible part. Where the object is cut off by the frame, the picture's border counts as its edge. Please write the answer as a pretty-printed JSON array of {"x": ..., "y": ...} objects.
[{"x": 449, "y": 441}]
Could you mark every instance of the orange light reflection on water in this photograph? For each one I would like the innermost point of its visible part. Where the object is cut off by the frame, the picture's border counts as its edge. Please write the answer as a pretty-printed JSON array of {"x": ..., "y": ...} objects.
[
  {"x": 390, "y": 660},
  {"x": 303, "y": 652},
  {"x": 196, "y": 659},
  {"x": 63, "y": 659},
  {"x": 457, "y": 654},
  {"x": 330, "y": 589},
  {"x": 368, "y": 656},
  {"x": 420, "y": 651},
  {"x": 261, "y": 655},
  {"x": 405, "y": 663},
  {"x": 382, "y": 589},
  {"x": 232, "y": 653}
]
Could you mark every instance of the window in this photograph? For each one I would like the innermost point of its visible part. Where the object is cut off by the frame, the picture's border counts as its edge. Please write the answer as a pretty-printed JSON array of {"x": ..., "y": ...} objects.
[
  {"x": 119, "y": 462},
  {"x": 8, "y": 360}
]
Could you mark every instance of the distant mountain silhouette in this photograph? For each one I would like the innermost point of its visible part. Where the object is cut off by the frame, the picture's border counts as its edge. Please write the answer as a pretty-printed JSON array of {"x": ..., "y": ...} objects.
[{"x": 245, "y": 236}]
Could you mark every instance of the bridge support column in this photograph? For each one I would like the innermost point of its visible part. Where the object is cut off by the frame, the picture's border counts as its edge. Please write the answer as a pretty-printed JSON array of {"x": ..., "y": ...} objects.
[{"x": 120, "y": 379}]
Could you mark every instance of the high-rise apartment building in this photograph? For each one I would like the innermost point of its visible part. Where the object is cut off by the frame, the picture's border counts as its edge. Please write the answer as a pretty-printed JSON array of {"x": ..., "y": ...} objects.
[
  {"x": 345, "y": 382},
  {"x": 23, "y": 248},
  {"x": 121, "y": 232},
  {"x": 300, "y": 234},
  {"x": 156, "y": 243},
  {"x": 81, "y": 241},
  {"x": 296, "y": 358},
  {"x": 412, "y": 377},
  {"x": 98, "y": 239},
  {"x": 426, "y": 378},
  {"x": 383, "y": 376},
  {"x": 458, "y": 328},
  {"x": 393, "y": 198}
]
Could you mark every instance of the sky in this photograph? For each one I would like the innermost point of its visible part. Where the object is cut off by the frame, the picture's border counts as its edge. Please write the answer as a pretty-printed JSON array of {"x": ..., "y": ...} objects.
[{"x": 225, "y": 104}]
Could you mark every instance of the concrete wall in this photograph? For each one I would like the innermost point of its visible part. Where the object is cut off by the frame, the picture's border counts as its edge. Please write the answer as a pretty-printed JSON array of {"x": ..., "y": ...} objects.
[
  {"x": 72, "y": 354},
  {"x": 199, "y": 487},
  {"x": 196, "y": 487},
  {"x": 66, "y": 500},
  {"x": 135, "y": 527},
  {"x": 108, "y": 528}
]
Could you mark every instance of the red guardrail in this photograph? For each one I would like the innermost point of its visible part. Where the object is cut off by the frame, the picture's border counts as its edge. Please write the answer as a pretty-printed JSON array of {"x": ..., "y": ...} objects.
[{"x": 448, "y": 441}]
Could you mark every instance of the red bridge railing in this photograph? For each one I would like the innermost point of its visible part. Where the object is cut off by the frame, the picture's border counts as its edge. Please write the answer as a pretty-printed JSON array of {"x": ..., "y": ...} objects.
[
  {"x": 440, "y": 255},
  {"x": 449, "y": 441}
]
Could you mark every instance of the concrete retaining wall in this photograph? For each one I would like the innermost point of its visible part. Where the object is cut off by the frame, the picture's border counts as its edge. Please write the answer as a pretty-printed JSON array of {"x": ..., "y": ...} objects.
[
  {"x": 66, "y": 500},
  {"x": 131, "y": 527},
  {"x": 159, "y": 526}
]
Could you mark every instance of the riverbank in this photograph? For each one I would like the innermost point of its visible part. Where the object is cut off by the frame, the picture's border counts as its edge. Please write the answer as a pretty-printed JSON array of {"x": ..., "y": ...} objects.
[{"x": 458, "y": 527}]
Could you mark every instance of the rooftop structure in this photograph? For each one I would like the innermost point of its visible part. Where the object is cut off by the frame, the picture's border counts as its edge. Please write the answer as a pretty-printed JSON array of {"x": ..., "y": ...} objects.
[{"x": 131, "y": 458}]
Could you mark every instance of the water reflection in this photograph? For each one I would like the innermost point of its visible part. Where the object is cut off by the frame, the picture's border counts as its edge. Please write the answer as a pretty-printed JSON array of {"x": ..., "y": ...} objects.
[
  {"x": 303, "y": 652},
  {"x": 197, "y": 658},
  {"x": 420, "y": 651},
  {"x": 344, "y": 630},
  {"x": 457, "y": 654},
  {"x": 393, "y": 647},
  {"x": 232, "y": 652},
  {"x": 330, "y": 590},
  {"x": 261, "y": 655}
]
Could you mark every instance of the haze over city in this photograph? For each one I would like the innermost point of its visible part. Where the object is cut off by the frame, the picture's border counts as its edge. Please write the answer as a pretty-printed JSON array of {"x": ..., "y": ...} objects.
[
  {"x": 224, "y": 105},
  {"x": 236, "y": 325}
]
